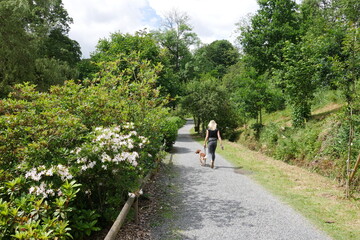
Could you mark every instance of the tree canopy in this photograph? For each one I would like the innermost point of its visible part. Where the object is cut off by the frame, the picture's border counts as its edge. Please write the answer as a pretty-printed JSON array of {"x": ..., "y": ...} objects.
[{"x": 33, "y": 30}]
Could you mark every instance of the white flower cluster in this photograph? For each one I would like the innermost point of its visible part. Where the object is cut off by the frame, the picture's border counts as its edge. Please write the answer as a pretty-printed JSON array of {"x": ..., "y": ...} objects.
[
  {"x": 112, "y": 138},
  {"x": 121, "y": 157},
  {"x": 44, "y": 190},
  {"x": 112, "y": 147},
  {"x": 37, "y": 173}
]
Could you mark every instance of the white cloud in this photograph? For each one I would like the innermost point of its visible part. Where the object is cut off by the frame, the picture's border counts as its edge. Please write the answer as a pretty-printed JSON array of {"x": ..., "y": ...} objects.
[
  {"x": 95, "y": 19},
  {"x": 211, "y": 19}
]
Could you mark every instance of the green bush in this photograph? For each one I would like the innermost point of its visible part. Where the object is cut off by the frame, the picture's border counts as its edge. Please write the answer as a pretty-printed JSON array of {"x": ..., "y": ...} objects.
[
  {"x": 102, "y": 135},
  {"x": 35, "y": 212},
  {"x": 287, "y": 149},
  {"x": 308, "y": 142},
  {"x": 270, "y": 136},
  {"x": 170, "y": 129}
]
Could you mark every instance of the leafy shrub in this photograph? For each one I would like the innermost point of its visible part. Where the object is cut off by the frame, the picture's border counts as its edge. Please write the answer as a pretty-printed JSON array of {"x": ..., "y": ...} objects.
[
  {"x": 170, "y": 129},
  {"x": 270, "y": 136},
  {"x": 108, "y": 165},
  {"x": 36, "y": 129},
  {"x": 286, "y": 150},
  {"x": 102, "y": 135},
  {"x": 308, "y": 142},
  {"x": 338, "y": 143},
  {"x": 28, "y": 214}
]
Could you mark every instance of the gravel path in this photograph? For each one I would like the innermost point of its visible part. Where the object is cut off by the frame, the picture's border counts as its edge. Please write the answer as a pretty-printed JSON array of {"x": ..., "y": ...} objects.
[{"x": 206, "y": 203}]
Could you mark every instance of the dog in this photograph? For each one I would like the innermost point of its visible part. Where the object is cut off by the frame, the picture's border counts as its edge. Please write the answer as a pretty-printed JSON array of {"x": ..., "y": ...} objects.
[{"x": 202, "y": 157}]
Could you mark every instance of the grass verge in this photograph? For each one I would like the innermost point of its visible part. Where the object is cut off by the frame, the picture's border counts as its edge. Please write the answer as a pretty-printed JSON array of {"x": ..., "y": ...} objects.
[{"x": 317, "y": 198}]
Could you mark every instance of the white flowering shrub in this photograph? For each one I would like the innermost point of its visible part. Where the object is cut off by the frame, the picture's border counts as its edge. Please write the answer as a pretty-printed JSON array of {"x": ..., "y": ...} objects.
[
  {"x": 61, "y": 175},
  {"x": 110, "y": 147},
  {"x": 107, "y": 165}
]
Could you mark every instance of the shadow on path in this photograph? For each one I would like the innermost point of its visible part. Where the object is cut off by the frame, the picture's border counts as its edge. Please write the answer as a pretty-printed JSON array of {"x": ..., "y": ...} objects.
[
  {"x": 184, "y": 138},
  {"x": 180, "y": 150},
  {"x": 187, "y": 201}
]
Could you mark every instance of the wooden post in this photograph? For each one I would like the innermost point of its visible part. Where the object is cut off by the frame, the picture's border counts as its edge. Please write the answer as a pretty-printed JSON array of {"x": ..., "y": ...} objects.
[
  {"x": 136, "y": 208},
  {"x": 354, "y": 169},
  {"x": 351, "y": 137}
]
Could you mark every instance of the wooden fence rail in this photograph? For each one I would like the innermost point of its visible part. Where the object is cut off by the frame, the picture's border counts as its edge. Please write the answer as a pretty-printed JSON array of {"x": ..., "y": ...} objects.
[
  {"x": 132, "y": 200},
  {"x": 120, "y": 219}
]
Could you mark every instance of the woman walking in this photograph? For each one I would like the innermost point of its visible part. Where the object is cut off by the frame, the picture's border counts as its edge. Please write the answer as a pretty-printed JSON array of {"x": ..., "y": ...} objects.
[{"x": 211, "y": 138}]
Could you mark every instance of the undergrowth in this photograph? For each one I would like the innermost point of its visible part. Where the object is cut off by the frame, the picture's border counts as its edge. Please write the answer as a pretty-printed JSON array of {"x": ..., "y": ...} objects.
[{"x": 321, "y": 146}]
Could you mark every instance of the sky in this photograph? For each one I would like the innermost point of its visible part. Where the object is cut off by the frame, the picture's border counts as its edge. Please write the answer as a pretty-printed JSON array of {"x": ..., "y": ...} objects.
[{"x": 97, "y": 19}]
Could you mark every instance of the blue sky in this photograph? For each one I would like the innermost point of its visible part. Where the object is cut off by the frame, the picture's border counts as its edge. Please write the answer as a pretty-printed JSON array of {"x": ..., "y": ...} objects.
[{"x": 96, "y": 19}]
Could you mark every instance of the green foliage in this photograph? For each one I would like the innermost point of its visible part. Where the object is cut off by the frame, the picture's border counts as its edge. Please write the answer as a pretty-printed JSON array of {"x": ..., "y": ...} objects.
[
  {"x": 85, "y": 222},
  {"x": 170, "y": 129},
  {"x": 299, "y": 80},
  {"x": 321, "y": 146},
  {"x": 290, "y": 145},
  {"x": 176, "y": 37},
  {"x": 16, "y": 54},
  {"x": 59, "y": 46},
  {"x": 286, "y": 150},
  {"x": 347, "y": 71},
  {"x": 105, "y": 133},
  {"x": 338, "y": 143},
  {"x": 251, "y": 93},
  {"x": 24, "y": 215},
  {"x": 50, "y": 72},
  {"x": 141, "y": 42},
  {"x": 270, "y": 136},
  {"x": 215, "y": 58},
  {"x": 208, "y": 99},
  {"x": 145, "y": 46},
  {"x": 274, "y": 23},
  {"x": 30, "y": 32},
  {"x": 87, "y": 69}
]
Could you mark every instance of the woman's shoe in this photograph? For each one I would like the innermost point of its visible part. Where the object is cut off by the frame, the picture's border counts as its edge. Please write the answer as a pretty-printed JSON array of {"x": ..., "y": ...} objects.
[{"x": 212, "y": 164}]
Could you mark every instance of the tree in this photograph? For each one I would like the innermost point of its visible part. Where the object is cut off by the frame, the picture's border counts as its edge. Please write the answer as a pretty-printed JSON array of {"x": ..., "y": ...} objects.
[
  {"x": 26, "y": 34},
  {"x": 251, "y": 94},
  {"x": 119, "y": 45},
  {"x": 87, "y": 69},
  {"x": 348, "y": 72},
  {"x": 298, "y": 76},
  {"x": 207, "y": 99},
  {"x": 222, "y": 54},
  {"x": 51, "y": 71},
  {"x": 145, "y": 47},
  {"x": 59, "y": 46},
  {"x": 274, "y": 23},
  {"x": 17, "y": 50},
  {"x": 322, "y": 30},
  {"x": 141, "y": 42},
  {"x": 176, "y": 37},
  {"x": 216, "y": 58}
]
